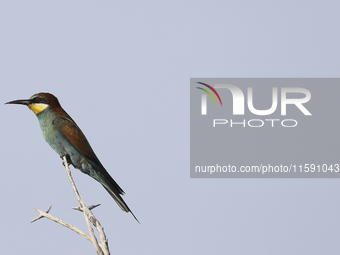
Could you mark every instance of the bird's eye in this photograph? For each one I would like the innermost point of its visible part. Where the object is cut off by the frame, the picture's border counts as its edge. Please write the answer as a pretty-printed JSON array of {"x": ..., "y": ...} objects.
[{"x": 37, "y": 100}]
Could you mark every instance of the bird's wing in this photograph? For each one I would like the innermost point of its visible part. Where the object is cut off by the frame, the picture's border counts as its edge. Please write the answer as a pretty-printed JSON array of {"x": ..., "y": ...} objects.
[
  {"x": 76, "y": 137},
  {"x": 73, "y": 133}
]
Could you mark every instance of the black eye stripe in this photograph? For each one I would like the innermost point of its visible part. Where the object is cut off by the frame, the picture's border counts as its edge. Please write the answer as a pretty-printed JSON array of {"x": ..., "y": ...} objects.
[{"x": 40, "y": 100}]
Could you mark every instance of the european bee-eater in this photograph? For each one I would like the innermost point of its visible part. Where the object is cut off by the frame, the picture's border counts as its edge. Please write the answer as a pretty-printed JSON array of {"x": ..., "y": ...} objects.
[{"x": 65, "y": 137}]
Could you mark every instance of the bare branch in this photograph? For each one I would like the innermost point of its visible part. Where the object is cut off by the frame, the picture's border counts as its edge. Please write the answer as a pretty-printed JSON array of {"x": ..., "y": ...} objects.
[
  {"x": 41, "y": 216},
  {"x": 61, "y": 222},
  {"x": 86, "y": 211},
  {"x": 101, "y": 247},
  {"x": 103, "y": 240},
  {"x": 90, "y": 207}
]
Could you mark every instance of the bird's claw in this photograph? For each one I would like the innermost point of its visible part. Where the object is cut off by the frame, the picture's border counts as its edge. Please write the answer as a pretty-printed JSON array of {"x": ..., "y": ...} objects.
[
  {"x": 63, "y": 163},
  {"x": 68, "y": 159}
]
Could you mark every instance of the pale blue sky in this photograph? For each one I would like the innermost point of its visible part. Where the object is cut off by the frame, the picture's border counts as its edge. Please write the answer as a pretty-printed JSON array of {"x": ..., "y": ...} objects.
[{"x": 122, "y": 70}]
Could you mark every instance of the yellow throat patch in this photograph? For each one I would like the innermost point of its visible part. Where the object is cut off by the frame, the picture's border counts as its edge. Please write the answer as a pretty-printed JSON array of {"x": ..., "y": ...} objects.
[{"x": 37, "y": 108}]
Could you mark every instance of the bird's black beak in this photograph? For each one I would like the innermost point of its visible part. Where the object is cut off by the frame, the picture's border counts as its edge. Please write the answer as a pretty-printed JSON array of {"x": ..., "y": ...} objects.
[{"x": 24, "y": 102}]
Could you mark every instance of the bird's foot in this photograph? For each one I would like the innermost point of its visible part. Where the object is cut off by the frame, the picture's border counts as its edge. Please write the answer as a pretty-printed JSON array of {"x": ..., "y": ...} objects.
[{"x": 68, "y": 159}]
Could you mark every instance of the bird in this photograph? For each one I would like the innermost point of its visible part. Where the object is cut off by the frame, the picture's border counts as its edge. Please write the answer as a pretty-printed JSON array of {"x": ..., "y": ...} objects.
[{"x": 65, "y": 137}]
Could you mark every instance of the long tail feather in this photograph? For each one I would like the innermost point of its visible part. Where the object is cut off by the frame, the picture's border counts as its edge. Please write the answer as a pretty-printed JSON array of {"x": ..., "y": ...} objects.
[{"x": 119, "y": 200}]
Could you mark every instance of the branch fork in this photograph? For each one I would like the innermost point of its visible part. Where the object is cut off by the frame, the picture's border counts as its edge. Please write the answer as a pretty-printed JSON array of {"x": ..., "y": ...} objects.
[{"x": 101, "y": 247}]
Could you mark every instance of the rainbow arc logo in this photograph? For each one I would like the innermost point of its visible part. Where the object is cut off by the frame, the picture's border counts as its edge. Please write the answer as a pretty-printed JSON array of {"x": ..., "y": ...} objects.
[
  {"x": 213, "y": 90},
  {"x": 204, "y": 97}
]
